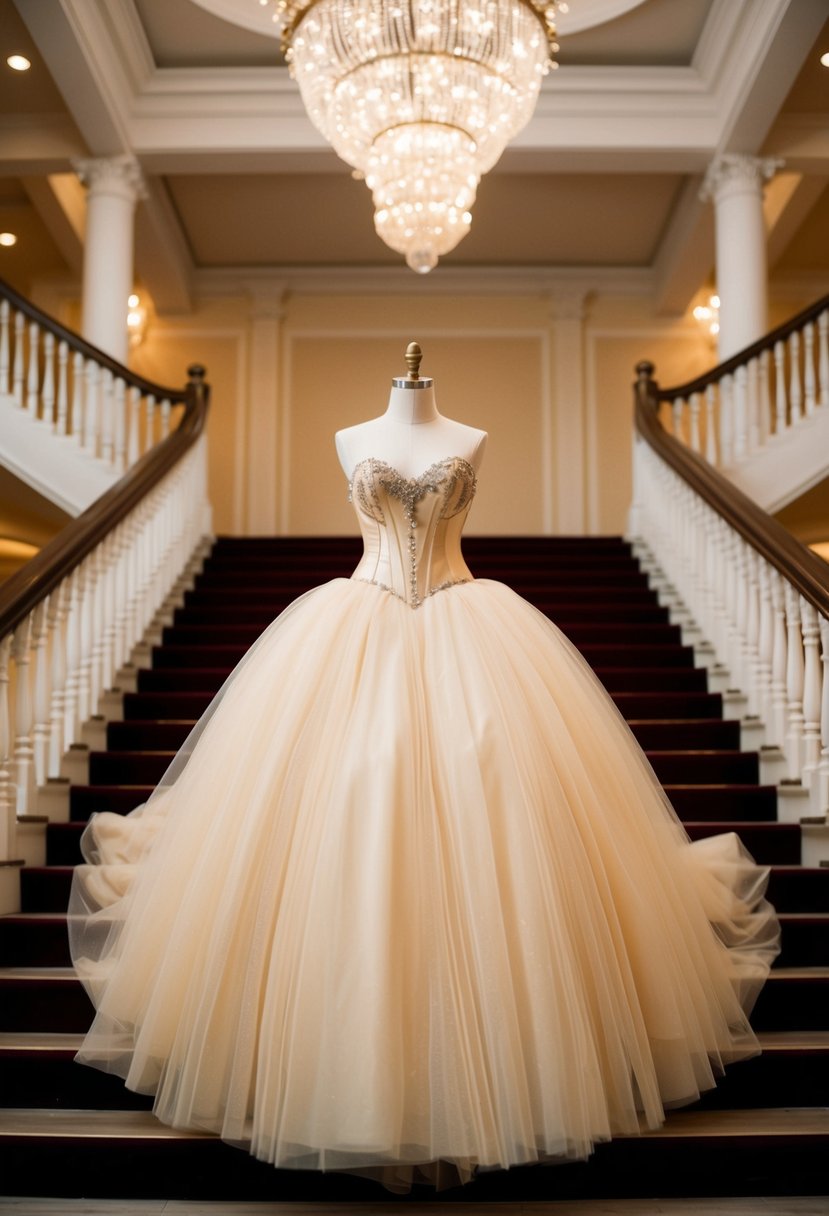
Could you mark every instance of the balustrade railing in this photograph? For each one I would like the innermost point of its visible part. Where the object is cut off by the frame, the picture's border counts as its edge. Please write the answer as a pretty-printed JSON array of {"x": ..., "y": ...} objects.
[
  {"x": 766, "y": 392},
  {"x": 756, "y": 595},
  {"x": 71, "y": 617},
  {"x": 72, "y": 390}
]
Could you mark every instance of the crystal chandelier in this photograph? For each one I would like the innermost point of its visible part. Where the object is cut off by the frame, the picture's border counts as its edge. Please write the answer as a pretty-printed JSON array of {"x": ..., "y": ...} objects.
[{"x": 421, "y": 97}]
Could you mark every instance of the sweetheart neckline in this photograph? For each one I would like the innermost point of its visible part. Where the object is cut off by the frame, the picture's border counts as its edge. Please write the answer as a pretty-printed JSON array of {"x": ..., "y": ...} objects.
[{"x": 421, "y": 476}]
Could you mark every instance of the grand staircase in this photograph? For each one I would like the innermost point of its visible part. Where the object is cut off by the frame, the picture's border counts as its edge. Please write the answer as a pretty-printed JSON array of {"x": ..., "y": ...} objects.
[{"x": 67, "y": 1130}]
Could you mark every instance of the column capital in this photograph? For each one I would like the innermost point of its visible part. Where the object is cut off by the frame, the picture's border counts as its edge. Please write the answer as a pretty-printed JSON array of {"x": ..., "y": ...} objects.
[
  {"x": 569, "y": 301},
  {"x": 119, "y": 176},
  {"x": 267, "y": 301},
  {"x": 736, "y": 173}
]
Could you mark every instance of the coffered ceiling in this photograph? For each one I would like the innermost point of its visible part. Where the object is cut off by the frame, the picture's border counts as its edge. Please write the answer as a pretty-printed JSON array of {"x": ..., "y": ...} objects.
[{"x": 605, "y": 178}]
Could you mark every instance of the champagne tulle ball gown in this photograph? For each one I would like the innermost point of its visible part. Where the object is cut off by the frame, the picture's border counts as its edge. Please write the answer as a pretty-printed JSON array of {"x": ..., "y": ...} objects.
[{"x": 410, "y": 893}]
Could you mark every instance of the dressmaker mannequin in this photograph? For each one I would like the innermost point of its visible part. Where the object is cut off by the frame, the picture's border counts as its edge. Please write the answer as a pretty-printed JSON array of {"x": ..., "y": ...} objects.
[{"x": 411, "y": 435}]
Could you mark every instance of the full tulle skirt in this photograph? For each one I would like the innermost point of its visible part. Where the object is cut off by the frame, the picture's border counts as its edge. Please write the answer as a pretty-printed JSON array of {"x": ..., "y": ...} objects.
[{"x": 411, "y": 893}]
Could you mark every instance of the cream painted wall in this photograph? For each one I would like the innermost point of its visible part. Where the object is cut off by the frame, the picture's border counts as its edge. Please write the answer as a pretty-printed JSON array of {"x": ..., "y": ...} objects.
[{"x": 547, "y": 373}]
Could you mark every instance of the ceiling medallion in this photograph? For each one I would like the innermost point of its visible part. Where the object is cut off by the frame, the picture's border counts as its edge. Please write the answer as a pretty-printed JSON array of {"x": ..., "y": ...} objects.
[{"x": 421, "y": 97}]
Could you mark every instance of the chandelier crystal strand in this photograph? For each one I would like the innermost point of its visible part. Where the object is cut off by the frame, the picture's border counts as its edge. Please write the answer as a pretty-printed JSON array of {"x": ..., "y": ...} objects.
[{"x": 420, "y": 96}]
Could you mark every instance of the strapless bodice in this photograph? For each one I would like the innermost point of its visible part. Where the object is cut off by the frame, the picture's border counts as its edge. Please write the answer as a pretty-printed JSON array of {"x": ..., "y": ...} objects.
[{"x": 412, "y": 526}]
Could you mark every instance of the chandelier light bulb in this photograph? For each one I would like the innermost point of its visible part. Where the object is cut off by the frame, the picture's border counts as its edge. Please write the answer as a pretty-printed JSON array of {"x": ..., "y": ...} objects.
[{"x": 421, "y": 99}]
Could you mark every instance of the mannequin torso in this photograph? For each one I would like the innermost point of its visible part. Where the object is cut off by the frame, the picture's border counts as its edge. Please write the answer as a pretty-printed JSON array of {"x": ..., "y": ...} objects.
[{"x": 410, "y": 436}]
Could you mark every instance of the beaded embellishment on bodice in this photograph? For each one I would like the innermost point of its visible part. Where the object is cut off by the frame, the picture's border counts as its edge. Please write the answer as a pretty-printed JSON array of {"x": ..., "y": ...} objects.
[{"x": 412, "y": 526}]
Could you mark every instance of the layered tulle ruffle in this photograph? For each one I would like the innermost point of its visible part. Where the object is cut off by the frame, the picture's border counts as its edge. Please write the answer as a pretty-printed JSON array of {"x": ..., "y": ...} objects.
[{"x": 411, "y": 893}]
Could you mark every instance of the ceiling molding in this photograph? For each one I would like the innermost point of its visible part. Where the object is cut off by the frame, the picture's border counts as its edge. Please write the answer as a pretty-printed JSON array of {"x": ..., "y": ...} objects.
[{"x": 444, "y": 281}]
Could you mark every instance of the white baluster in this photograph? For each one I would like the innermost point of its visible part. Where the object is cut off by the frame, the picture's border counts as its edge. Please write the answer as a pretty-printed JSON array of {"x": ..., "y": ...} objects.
[
  {"x": 40, "y": 662},
  {"x": 780, "y": 406},
  {"x": 694, "y": 404},
  {"x": 33, "y": 377},
  {"x": 107, "y": 420},
  {"x": 91, "y": 420},
  {"x": 134, "y": 414},
  {"x": 87, "y": 606},
  {"x": 811, "y": 690},
  {"x": 726, "y": 421},
  {"x": 17, "y": 365},
  {"x": 120, "y": 425},
  {"x": 765, "y": 397},
  {"x": 23, "y": 751},
  {"x": 753, "y": 405},
  {"x": 751, "y": 578},
  {"x": 97, "y": 612},
  {"x": 63, "y": 389},
  {"x": 73, "y": 658},
  {"x": 779, "y": 663},
  {"x": 823, "y": 355},
  {"x": 47, "y": 393},
  {"x": 795, "y": 390},
  {"x": 4, "y": 353},
  {"x": 740, "y": 414},
  {"x": 8, "y": 797},
  {"x": 794, "y": 685},
  {"x": 765, "y": 644},
  {"x": 823, "y": 772},
  {"x": 710, "y": 426},
  {"x": 149, "y": 429},
  {"x": 809, "y": 381},
  {"x": 165, "y": 418},
  {"x": 58, "y": 605},
  {"x": 76, "y": 421}
]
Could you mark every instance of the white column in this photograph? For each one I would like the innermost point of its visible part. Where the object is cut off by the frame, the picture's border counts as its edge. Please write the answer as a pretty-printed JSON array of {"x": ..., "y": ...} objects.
[
  {"x": 735, "y": 184},
  {"x": 267, "y": 473},
  {"x": 568, "y": 306},
  {"x": 114, "y": 185}
]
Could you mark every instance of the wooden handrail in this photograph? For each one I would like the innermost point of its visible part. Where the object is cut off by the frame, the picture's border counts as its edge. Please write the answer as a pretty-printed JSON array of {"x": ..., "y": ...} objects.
[
  {"x": 74, "y": 342},
  {"x": 808, "y": 573},
  {"x": 768, "y": 342},
  {"x": 25, "y": 589}
]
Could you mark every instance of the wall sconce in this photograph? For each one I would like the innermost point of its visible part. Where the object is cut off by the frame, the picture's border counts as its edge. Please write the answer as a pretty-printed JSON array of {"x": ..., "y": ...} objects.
[
  {"x": 136, "y": 320},
  {"x": 708, "y": 317}
]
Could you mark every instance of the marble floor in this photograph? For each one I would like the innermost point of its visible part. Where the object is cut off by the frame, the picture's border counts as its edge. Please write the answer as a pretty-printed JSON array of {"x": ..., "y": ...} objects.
[{"x": 777, "y": 1206}]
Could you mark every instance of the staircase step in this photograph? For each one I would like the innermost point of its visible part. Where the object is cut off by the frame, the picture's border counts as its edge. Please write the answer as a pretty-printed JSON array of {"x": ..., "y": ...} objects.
[
  {"x": 704, "y": 766},
  {"x": 173, "y": 706},
  {"x": 43, "y": 999},
  {"x": 131, "y": 768},
  {"x": 701, "y": 768},
  {"x": 674, "y": 705},
  {"x": 798, "y": 889},
  {"x": 104, "y": 1153},
  {"x": 724, "y": 803},
  {"x": 37, "y": 1069},
  {"x": 45, "y": 888},
  {"x": 793, "y": 998},
  {"x": 88, "y": 800},
  {"x": 769, "y": 843},
  {"x": 52, "y": 999},
  {"x": 39, "y": 939},
  {"x": 791, "y": 888},
  {"x": 148, "y": 735},
  {"x": 699, "y": 733}
]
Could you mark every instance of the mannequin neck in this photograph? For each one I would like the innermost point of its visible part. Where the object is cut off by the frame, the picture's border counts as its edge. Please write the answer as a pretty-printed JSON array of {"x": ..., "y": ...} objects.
[{"x": 412, "y": 406}]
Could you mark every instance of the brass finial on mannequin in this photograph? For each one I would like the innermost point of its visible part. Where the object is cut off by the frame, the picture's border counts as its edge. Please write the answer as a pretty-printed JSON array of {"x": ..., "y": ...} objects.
[
  {"x": 413, "y": 378},
  {"x": 413, "y": 357}
]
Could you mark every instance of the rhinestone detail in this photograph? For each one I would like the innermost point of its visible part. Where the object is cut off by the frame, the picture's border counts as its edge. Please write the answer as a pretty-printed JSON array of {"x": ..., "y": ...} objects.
[{"x": 442, "y": 477}]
